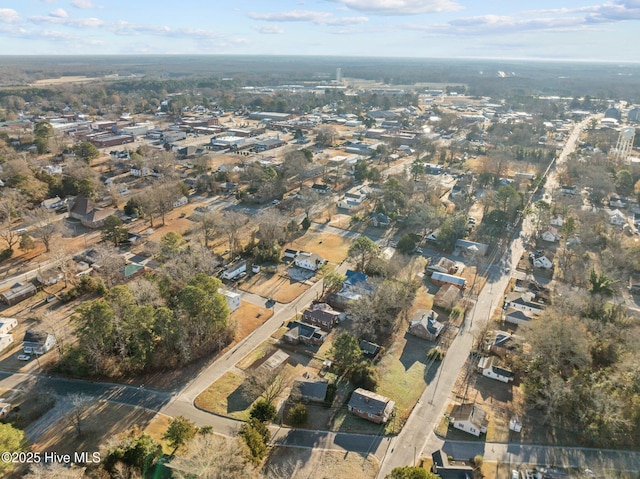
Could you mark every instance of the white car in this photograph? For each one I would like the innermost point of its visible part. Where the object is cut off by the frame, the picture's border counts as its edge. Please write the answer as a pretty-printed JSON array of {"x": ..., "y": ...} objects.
[{"x": 23, "y": 357}]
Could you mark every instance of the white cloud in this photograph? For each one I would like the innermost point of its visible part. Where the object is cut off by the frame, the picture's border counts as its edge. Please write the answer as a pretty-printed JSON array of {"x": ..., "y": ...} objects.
[
  {"x": 83, "y": 4},
  {"x": 400, "y": 7},
  {"x": 319, "y": 18},
  {"x": 270, "y": 29},
  {"x": 59, "y": 13},
  {"x": 70, "y": 22},
  {"x": 9, "y": 15}
]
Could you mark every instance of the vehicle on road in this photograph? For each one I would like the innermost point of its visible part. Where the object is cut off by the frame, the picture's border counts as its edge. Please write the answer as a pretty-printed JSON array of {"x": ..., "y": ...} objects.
[{"x": 23, "y": 357}]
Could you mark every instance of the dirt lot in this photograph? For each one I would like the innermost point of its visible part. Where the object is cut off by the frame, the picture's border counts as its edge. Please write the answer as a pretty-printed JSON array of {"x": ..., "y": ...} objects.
[
  {"x": 330, "y": 246},
  {"x": 298, "y": 463},
  {"x": 100, "y": 422},
  {"x": 277, "y": 286}
]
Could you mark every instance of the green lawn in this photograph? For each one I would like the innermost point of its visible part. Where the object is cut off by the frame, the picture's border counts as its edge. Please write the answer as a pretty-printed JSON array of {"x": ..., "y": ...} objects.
[{"x": 225, "y": 397}]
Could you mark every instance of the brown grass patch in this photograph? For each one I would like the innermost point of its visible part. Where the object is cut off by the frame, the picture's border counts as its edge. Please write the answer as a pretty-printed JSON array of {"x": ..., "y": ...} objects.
[
  {"x": 329, "y": 246},
  {"x": 248, "y": 317},
  {"x": 305, "y": 463},
  {"x": 156, "y": 429},
  {"x": 101, "y": 421},
  {"x": 224, "y": 397},
  {"x": 277, "y": 286}
]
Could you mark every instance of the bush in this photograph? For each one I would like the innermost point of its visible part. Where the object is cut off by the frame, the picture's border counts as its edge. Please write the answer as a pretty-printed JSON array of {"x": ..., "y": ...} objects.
[
  {"x": 263, "y": 411},
  {"x": 6, "y": 254},
  {"x": 332, "y": 390},
  {"x": 365, "y": 375},
  {"x": 435, "y": 354},
  {"x": 297, "y": 415},
  {"x": 477, "y": 460}
]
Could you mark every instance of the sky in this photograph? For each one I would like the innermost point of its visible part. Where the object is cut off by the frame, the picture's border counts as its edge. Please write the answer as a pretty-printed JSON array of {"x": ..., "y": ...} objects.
[{"x": 591, "y": 30}]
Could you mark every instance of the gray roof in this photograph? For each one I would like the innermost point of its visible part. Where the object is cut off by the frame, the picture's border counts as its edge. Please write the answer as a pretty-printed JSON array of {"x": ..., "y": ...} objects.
[{"x": 367, "y": 401}]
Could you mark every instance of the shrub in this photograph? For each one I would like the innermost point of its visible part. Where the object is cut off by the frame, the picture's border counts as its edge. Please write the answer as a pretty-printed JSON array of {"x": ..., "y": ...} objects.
[
  {"x": 6, "y": 254},
  {"x": 435, "y": 354},
  {"x": 332, "y": 390},
  {"x": 263, "y": 411},
  {"x": 297, "y": 415}
]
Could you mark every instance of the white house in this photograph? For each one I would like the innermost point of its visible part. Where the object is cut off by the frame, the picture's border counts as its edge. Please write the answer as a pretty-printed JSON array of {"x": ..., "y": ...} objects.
[
  {"x": 233, "y": 300},
  {"x": 523, "y": 302},
  {"x": 558, "y": 221},
  {"x": 180, "y": 202},
  {"x": 52, "y": 204},
  {"x": 551, "y": 235},
  {"x": 349, "y": 202},
  {"x": 140, "y": 171},
  {"x": 469, "y": 418},
  {"x": 235, "y": 270},
  {"x": 5, "y": 341},
  {"x": 542, "y": 262},
  {"x": 310, "y": 261},
  {"x": 616, "y": 217},
  {"x": 490, "y": 368},
  {"x": 37, "y": 342},
  {"x": 7, "y": 324}
]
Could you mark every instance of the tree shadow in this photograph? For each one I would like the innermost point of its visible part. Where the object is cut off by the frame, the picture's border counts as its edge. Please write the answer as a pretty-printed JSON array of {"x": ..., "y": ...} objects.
[{"x": 239, "y": 400}]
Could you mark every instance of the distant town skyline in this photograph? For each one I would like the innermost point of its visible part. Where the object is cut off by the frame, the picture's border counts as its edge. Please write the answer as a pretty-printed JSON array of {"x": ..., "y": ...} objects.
[{"x": 580, "y": 30}]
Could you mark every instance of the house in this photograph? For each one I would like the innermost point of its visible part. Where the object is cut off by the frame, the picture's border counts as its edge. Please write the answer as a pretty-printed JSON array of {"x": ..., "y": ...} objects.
[
  {"x": 325, "y": 318},
  {"x": 132, "y": 270},
  {"x": 443, "y": 469},
  {"x": 517, "y": 317},
  {"x": 371, "y": 406},
  {"x": 37, "y": 342},
  {"x": 233, "y": 299},
  {"x": 447, "y": 297},
  {"x": 140, "y": 171},
  {"x": 52, "y": 204},
  {"x": 5, "y": 408},
  {"x": 469, "y": 418},
  {"x": 290, "y": 253},
  {"x": 180, "y": 202},
  {"x": 277, "y": 360},
  {"x": 616, "y": 202},
  {"x": 304, "y": 333},
  {"x": 502, "y": 343},
  {"x": 542, "y": 262},
  {"x": 321, "y": 189},
  {"x": 309, "y": 390},
  {"x": 557, "y": 221},
  {"x": 18, "y": 293},
  {"x": 7, "y": 324},
  {"x": 550, "y": 235},
  {"x": 369, "y": 350},
  {"x": 310, "y": 261},
  {"x": 523, "y": 302},
  {"x": 490, "y": 368},
  {"x": 49, "y": 277},
  {"x": 235, "y": 270},
  {"x": 443, "y": 265},
  {"x": 471, "y": 248},
  {"x": 349, "y": 202},
  {"x": 380, "y": 220},
  {"x": 427, "y": 327},
  {"x": 616, "y": 217},
  {"x": 444, "y": 279},
  {"x": 568, "y": 190},
  {"x": 357, "y": 282},
  {"x": 6, "y": 340},
  {"x": 84, "y": 210}
]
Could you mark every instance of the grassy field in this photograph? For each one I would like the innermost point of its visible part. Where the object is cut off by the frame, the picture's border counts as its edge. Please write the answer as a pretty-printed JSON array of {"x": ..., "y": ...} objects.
[
  {"x": 224, "y": 397},
  {"x": 298, "y": 463},
  {"x": 247, "y": 318}
]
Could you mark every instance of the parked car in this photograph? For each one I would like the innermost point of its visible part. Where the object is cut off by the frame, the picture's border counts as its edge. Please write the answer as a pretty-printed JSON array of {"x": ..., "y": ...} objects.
[{"x": 23, "y": 357}]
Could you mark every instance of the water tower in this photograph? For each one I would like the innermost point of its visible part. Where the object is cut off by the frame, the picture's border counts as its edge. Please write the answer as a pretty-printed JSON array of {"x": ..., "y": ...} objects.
[{"x": 624, "y": 144}]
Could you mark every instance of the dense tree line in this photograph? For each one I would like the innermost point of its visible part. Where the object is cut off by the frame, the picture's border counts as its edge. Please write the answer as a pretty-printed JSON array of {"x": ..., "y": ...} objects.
[{"x": 125, "y": 333}]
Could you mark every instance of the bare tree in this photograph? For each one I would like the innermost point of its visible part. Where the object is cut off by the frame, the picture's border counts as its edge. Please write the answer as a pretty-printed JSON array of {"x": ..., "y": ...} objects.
[
  {"x": 146, "y": 293},
  {"x": 231, "y": 224},
  {"x": 271, "y": 227},
  {"x": 207, "y": 225},
  {"x": 10, "y": 207},
  {"x": 79, "y": 404},
  {"x": 265, "y": 383},
  {"x": 210, "y": 456},
  {"x": 43, "y": 225}
]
